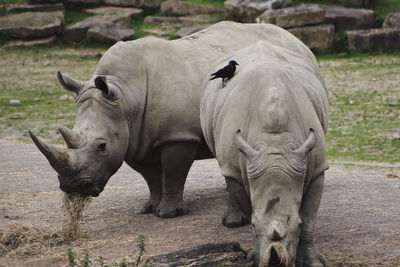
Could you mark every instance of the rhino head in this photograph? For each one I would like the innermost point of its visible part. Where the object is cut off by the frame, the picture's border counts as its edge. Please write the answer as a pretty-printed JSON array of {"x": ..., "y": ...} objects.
[
  {"x": 97, "y": 145},
  {"x": 276, "y": 174}
]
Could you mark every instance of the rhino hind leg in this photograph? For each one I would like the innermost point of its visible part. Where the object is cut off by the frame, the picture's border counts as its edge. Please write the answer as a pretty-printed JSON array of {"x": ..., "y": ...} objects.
[
  {"x": 239, "y": 207},
  {"x": 176, "y": 160},
  {"x": 307, "y": 253}
]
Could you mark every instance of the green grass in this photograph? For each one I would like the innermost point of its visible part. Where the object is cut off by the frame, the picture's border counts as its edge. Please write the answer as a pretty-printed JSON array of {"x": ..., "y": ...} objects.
[{"x": 219, "y": 3}]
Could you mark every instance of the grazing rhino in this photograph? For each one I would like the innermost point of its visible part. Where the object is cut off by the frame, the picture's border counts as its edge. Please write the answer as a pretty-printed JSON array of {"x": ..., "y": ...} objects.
[
  {"x": 266, "y": 128},
  {"x": 141, "y": 106}
]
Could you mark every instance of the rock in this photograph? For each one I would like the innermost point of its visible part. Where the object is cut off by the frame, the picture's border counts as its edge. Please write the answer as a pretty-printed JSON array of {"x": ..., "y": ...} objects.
[
  {"x": 32, "y": 25},
  {"x": 294, "y": 16},
  {"x": 150, "y": 3},
  {"x": 318, "y": 38},
  {"x": 18, "y": 115},
  {"x": 228, "y": 254},
  {"x": 249, "y": 10},
  {"x": 46, "y": 1},
  {"x": 185, "y": 31},
  {"x": 63, "y": 98},
  {"x": 181, "y": 8},
  {"x": 41, "y": 7},
  {"x": 36, "y": 99},
  {"x": 393, "y": 104},
  {"x": 95, "y": 2},
  {"x": 110, "y": 33},
  {"x": 395, "y": 136},
  {"x": 392, "y": 21},
  {"x": 180, "y": 21},
  {"x": 46, "y": 42},
  {"x": 354, "y": 3},
  {"x": 350, "y": 18},
  {"x": 15, "y": 102},
  {"x": 373, "y": 39},
  {"x": 114, "y": 11},
  {"x": 124, "y": 3},
  {"x": 164, "y": 31},
  {"x": 78, "y": 31}
]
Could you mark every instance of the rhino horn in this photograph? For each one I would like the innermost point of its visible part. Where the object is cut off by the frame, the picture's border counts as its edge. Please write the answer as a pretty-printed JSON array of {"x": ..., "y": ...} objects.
[
  {"x": 277, "y": 255},
  {"x": 69, "y": 83},
  {"x": 276, "y": 231},
  {"x": 59, "y": 158},
  {"x": 245, "y": 148},
  {"x": 308, "y": 145},
  {"x": 71, "y": 138}
]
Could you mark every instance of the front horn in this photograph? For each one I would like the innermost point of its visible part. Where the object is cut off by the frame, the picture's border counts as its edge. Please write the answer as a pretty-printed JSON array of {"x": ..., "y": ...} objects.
[{"x": 59, "y": 158}]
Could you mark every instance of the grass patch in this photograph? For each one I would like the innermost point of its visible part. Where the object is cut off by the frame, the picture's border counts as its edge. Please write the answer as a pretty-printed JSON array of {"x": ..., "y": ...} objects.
[{"x": 219, "y": 3}]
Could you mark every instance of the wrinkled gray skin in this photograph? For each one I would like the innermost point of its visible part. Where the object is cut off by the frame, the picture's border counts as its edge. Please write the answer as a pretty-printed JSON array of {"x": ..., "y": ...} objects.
[
  {"x": 141, "y": 106},
  {"x": 266, "y": 128}
]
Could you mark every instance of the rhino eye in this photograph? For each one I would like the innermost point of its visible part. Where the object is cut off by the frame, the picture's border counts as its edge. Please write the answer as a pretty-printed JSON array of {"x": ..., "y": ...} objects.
[{"x": 102, "y": 146}]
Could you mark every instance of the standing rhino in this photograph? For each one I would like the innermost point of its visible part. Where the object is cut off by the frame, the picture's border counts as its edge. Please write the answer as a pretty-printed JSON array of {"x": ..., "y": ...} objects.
[
  {"x": 266, "y": 128},
  {"x": 141, "y": 106}
]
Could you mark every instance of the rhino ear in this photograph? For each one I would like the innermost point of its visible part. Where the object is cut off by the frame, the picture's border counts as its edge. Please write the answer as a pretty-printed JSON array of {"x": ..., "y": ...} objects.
[
  {"x": 101, "y": 83},
  {"x": 245, "y": 148},
  {"x": 69, "y": 83},
  {"x": 308, "y": 145}
]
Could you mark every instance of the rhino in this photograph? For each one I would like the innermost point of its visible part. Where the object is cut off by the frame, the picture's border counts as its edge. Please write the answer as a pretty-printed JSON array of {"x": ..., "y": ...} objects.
[
  {"x": 266, "y": 128},
  {"x": 142, "y": 106}
]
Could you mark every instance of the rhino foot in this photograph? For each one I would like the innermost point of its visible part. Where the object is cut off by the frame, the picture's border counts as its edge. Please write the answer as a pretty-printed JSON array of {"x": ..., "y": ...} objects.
[
  {"x": 150, "y": 206},
  {"x": 309, "y": 256},
  {"x": 169, "y": 210},
  {"x": 234, "y": 219}
]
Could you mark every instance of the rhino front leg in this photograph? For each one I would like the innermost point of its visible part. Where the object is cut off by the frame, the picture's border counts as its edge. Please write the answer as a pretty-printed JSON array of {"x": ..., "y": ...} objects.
[
  {"x": 307, "y": 253},
  {"x": 239, "y": 207},
  {"x": 176, "y": 160},
  {"x": 152, "y": 174}
]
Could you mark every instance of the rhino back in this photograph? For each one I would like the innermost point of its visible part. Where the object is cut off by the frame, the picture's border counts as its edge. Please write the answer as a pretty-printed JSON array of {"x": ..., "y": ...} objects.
[
  {"x": 273, "y": 90},
  {"x": 165, "y": 76}
]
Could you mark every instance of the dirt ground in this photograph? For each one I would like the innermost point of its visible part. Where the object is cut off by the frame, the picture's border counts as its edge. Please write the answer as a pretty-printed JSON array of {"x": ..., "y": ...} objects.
[{"x": 358, "y": 221}]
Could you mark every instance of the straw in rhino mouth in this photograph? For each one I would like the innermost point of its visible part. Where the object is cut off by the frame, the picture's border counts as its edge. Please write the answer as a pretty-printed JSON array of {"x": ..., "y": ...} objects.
[{"x": 74, "y": 205}]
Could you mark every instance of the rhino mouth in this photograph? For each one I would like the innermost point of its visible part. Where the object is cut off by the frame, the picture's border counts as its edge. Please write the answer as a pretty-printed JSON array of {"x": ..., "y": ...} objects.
[{"x": 84, "y": 187}]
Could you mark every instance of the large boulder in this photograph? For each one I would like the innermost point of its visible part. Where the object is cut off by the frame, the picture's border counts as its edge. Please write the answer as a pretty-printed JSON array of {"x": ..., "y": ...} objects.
[
  {"x": 180, "y": 8},
  {"x": 185, "y": 31},
  {"x": 294, "y": 16},
  {"x": 32, "y": 25},
  {"x": 110, "y": 33},
  {"x": 373, "y": 39},
  {"x": 39, "y": 7},
  {"x": 350, "y": 18},
  {"x": 249, "y": 10},
  {"x": 392, "y": 21},
  {"x": 78, "y": 31},
  {"x": 319, "y": 38}
]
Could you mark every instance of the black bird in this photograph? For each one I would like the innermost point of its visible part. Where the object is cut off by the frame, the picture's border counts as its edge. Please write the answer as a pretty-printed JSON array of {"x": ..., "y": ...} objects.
[{"x": 226, "y": 72}]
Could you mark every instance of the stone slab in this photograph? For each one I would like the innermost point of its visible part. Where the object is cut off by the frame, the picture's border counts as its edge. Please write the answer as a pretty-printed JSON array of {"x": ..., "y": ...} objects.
[
  {"x": 392, "y": 21},
  {"x": 78, "y": 31},
  {"x": 373, "y": 39},
  {"x": 294, "y": 16},
  {"x": 319, "y": 38},
  {"x": 108, "y": 10},
  {"x": 93, "y": 2},
  {"x": 46, "y": 42},
  {"x": 123, "y": 3},
  {"x": 249, "y": 10},
  {"x": 110, "y": 33},
  {"x": 350, "y": 18},
  {"x": 32, "y": 25},
  {"x": 10, "y": 9},
  {"x": 179, "y": 21},
  {"x": 181, "y": 8}
]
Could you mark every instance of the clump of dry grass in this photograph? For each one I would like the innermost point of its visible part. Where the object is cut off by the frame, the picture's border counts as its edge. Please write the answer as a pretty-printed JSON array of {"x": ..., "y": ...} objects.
[
  {"x": 27, "y": 240},
  {"x": 74, "y": 205}
]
